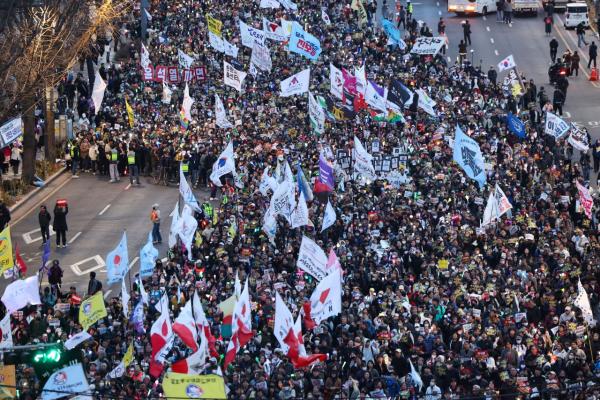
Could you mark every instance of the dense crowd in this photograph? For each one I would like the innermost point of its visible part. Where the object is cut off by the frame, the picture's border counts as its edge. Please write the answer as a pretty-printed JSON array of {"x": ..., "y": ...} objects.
[{"x": 481, "y": 313}]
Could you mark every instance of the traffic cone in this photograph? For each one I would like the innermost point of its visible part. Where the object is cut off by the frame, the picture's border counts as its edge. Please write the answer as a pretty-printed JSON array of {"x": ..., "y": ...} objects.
[{"x": 594, "y": 74}]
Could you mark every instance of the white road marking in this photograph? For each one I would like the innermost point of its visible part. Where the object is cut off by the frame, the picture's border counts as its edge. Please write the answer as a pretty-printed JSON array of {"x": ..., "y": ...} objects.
[
  {"x": 437, "y": 3},
  {"x": 492, "y": 40},
  {"x": 439, "y": 13},
  {"x": 449, "y": 59},
  {"x": 74, "y": 237},
  {"x": 496, "y": 52},
  {"x": 487, "y": 28},
  {"x": 567, "y": 114},
  {"x": 30, "y": 238},
  {"x": 107, "y": 293},
  {"x": 127, "y": 187},
  {"x": 30, "y": 259},
  {"x": 97, "y": 260},
  {"x": 510, "y": 25},
  {"x": 484, "y": 18},
  {"x": 104, "y": 210}
]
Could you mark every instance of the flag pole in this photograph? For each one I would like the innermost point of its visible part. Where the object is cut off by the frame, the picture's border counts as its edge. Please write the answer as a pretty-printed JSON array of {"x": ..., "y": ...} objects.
[{"x": 587, "y": 331}]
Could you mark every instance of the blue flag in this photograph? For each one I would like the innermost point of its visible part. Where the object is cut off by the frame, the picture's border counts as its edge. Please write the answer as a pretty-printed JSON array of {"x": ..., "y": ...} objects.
[
  {"x": 303, "y": 186},
  {"x": 304, "y": 43},
  {"x": 468, "y": 155},
  {"x": 45, "y": 255},
  {"x": 515, "y": 125},
  {"x": 148, "y": 256},
  {"x": 117, "y": 261},
  {"x": 393, "y": 33},
  {"x": 326, "y": 172}
]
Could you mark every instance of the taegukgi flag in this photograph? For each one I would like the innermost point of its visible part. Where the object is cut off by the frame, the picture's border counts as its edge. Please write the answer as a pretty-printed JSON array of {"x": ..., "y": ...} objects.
[{"x": 507, "y": 63}]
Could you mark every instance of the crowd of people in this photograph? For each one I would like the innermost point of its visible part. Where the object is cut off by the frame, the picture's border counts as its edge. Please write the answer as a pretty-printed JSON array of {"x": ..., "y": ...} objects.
[{"x": 478, "y": 312}]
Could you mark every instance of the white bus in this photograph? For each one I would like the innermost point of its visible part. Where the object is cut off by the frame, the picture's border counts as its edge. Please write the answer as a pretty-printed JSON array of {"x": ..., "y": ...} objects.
[{"x": 480, "y": 7}]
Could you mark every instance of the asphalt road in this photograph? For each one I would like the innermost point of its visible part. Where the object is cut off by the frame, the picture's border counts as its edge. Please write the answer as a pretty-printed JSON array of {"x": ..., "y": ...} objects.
[
  {"x": 526, "y": 41},
  {"x": 99, "y": 212}
]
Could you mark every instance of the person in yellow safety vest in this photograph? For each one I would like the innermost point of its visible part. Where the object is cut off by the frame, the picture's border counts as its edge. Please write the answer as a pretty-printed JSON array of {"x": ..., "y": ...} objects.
[
  {"x": 132, "y": 167},
  {"x": 113, "y": 159},
  {"x": 185, "y": 166},
  {"x": 409, "y": 10}
]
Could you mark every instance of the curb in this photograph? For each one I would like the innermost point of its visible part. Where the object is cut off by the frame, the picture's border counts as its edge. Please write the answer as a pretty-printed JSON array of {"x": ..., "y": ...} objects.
[{"x": 35, "y": 191}]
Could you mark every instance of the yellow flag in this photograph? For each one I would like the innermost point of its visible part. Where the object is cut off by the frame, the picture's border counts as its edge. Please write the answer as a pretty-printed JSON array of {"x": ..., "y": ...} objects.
[
  {"x": 184, "y": 386},
  {"x": 129, "y": 113},
  {"x": 6, "y": 251},
  {"x": 91, "y": 310},
  {"x": 214, "y": 25},
  {"x": 128, "y": 357}
]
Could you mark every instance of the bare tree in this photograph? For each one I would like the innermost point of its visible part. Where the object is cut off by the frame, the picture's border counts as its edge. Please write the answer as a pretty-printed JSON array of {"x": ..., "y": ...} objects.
[{"x": 40, "y": 41}]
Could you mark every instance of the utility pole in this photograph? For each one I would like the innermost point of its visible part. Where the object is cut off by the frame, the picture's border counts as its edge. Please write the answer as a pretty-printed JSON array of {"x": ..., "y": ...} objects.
[{"x": 50, "y": 142}]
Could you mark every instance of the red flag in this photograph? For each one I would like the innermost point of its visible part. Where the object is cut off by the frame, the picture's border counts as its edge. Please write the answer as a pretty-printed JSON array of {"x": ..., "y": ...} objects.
[
  {"x": 20, "y": 262},
  {"x": 308, "y": 321}
]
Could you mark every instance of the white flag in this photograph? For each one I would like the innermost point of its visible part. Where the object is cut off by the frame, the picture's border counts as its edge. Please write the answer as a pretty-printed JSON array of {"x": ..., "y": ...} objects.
[
  {"x": 300, "y": 214},
  {"x": 269, "y": 4},
  {"x": 289, "y": 5},
  {"x": 329, "y": 217},
  {"x": 221, "y": 115},
  {"x": 224, "y": 165},
  {"x": 267, "y": 182},
  {"x": 414, "y": 375},
  {"x": 374, "y": 99},
  {"x": 143, "y": 294},
  {"x": 361, "y": 79},
  {"x": 166, "y": 94},
  {"x": 232, "y": 77},
  {"x": 251, "y": 35},
  {"x": 507, "y": 63},
  {"x": 326, "y": 299},
  {"x": 363, "y": 164},
  {"x": 312, "y": 258},
  {"x": 75, "y": 340},
  {"x": 336, "y": 80},
  {"x": 185, "y": 190},
  {"x": 98, "y": 92},
  {"x": 65, "y": 381},
  {"x": 274, "y": 31},
  {"x": 282, "y": 201},
  {"x": 582, "y": 301},
  {"x": 284, "y": 321},
  {"x": 296, "y": 84},
  {"x": 316, "y": 114},
  {"x": 216, "y": 42},
  {"x": 270, "y": 226},
  {"x": 125, "y": 298},
  {"x": 325, "y": 17},
  {"x": 555, "y": 125},
  {"x": 186, "y": 229},
  {"x": 496, "y": 206},
  {"x": 185, "y": 61},
  {"x": 5, "y": 333},
  {"x": 230, "y": 49},
  {"x": 426, "y": 102},
  {"x": 20, "y": 293},
  {"x": 261, "y": 57},
  {"x": 579, "y": 139},
  {"x": 144, "y": 57},
  {"x": 186, "y": 106},
  {"x": 148, "y": 15},
  {"x": 174, "y": 223}
]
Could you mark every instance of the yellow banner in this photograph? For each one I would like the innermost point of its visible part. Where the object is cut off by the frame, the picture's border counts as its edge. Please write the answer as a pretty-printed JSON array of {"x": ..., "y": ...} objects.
[
  {"x": 129, "y": 113},
  {"x": 184, "y": 386},
  {"x": 214, "y": 25},
  {"x": 8, "y": 382},
  {"x": 91, "y": 310},
  {"x": 6, "y": 251}
]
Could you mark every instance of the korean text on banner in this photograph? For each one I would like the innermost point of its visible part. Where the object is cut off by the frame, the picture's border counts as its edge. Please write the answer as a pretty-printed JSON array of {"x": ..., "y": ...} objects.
[
  {"x": 555, "y": 126},
  {"x": 312, "y": 259},
  {"x": 468, "y": 155},
  {"x": 251, "y": 35},
  {"x": 304, "y": 43},
  {"x": 184, "y": 386},
  {"x": 11, "y": 131},
  {"x": 68, "y": 380},
  {"x": 232, "y": 77},
  {"x": 91, "y": 310},
  {"x": 428, "y": 45}
]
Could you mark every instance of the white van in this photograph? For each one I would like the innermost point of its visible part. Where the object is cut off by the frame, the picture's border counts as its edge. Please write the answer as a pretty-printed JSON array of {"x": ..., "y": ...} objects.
[
  {"x": 576, "y": 13},
  {"x": 480, "y": 7}
]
